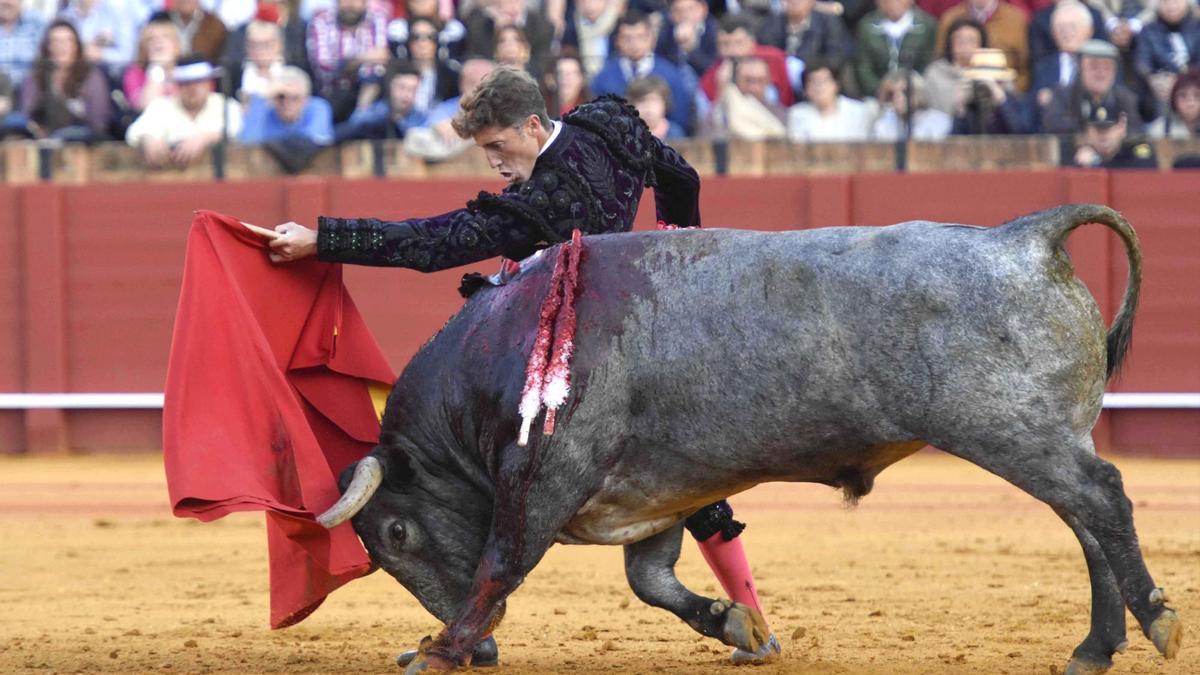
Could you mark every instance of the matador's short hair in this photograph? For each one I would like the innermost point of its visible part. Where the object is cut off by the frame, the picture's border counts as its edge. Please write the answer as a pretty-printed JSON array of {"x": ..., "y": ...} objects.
[{"x": 505, "y": 98}]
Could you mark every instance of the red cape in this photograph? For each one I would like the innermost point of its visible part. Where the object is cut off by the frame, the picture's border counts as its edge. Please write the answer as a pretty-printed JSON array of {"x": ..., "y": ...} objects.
[{"x": 273, "y": 387}]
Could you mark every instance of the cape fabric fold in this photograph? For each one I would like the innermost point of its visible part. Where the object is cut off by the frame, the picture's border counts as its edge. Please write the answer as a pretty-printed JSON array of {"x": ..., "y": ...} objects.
[{"x": 274, "y": 386}]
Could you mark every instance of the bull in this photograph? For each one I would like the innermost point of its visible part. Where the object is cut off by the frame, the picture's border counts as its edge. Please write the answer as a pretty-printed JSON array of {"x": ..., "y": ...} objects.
[{"x": 709, "y": 361}]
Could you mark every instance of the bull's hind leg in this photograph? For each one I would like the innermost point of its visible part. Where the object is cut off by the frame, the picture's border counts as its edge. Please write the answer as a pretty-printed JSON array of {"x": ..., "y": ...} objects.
[
  {"x": 650, "y": 568},
  {"x": 1107, "y": 636},
  {"x": 1080, "y": 486}
]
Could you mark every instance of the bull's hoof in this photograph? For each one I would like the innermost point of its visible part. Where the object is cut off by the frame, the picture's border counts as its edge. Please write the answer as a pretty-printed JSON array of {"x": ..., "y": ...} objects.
[
  {"x": 1082, "y": 666},
  {"x": 485, "y": 654},
  {"x": 765, "y": 654},
  {"x": 744, "y": 627},
  {"x": 430, "y": 663},
  {"x": 1166, "y": 632}
]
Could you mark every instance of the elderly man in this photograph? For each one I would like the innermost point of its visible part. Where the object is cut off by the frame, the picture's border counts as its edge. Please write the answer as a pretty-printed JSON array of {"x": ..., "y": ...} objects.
[
  {"x": 289, "y": 111},
  {"x": 177, "y": 129},
  {"x": 1071, "y": 26},
  {"x": 635, "y": 58},
  {"x": 1070, "y": 106},
  {"x": 894, "y": 37},
  {"x": 585, "y": 172},
  {"x": 345, "y": 48}
]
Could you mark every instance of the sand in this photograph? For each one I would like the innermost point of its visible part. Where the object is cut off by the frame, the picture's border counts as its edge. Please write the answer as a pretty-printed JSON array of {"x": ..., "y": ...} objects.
[{"x": 943, "y": 569}]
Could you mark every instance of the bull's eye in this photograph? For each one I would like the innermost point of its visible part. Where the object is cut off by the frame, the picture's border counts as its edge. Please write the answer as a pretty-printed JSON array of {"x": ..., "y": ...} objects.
[{"x": 397, "y": 532}]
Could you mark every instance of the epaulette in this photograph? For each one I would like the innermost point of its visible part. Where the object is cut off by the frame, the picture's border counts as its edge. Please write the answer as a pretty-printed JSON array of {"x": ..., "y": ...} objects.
[{"x": 625, "y": 133}]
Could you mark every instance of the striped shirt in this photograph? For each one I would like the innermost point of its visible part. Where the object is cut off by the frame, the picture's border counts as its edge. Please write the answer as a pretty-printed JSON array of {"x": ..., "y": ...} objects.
[{"x": 331, "y": 45}]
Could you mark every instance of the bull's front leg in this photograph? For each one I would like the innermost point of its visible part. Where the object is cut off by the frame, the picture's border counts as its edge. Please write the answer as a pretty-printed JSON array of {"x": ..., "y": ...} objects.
[
  {"x": 650, "y": 569},
  {"x": 529, "y": 511}
]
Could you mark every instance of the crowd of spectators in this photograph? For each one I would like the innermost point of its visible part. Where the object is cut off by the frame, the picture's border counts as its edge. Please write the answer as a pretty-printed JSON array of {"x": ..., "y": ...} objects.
[{"x": 172, "y": 77}]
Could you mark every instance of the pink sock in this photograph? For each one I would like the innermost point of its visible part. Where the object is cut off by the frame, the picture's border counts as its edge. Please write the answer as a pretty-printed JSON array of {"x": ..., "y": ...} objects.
[{"x": 727, "y": 559}]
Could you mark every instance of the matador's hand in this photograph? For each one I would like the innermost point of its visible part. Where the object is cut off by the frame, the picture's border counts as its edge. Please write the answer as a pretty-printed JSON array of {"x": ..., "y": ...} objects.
[{"x": 297, "y": 242}]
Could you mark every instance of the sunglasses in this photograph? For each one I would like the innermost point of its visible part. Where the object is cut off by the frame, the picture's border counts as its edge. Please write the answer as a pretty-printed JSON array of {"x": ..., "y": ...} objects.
[
  {"x": 286, "y": 98},
  {"x": 415, "y": 37}
]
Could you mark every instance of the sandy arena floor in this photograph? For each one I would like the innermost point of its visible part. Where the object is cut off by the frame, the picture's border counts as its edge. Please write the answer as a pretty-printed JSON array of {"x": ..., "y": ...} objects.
[{"x": 942, "y": 569}]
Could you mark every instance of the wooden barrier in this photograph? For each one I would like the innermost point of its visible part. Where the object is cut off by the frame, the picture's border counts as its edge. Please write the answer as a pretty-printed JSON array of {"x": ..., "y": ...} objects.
[{"x": 89, "y": 274}]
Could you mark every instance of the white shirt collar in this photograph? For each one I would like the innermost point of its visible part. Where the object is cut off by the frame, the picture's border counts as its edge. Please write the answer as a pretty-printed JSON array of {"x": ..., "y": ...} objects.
[{"x": 557, "y": 127}]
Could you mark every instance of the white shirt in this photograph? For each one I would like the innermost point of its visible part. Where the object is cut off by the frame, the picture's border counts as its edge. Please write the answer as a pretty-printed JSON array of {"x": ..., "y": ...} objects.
[
  {"x": 851, "y": 122},
  {"x": 166, "y": 119},
  {"x": 1066, "y": 68},
  {"x": 556, "y": 127}
]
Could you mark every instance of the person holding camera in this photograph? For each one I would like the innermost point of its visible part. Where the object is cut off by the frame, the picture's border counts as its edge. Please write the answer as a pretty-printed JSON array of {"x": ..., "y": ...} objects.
[{"x": 988, "y": 102}]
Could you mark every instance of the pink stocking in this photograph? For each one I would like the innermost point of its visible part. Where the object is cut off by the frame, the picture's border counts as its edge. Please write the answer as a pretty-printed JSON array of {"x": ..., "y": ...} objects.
[{"x": 727, "y": 559}]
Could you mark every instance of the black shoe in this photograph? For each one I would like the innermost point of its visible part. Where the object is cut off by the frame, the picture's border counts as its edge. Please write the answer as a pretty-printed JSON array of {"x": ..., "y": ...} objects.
[{"x": 484, "y": 655}]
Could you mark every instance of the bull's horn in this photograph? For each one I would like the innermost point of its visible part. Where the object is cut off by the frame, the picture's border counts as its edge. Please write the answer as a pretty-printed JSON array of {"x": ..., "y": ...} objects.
[{"x": 367, "y": 477}]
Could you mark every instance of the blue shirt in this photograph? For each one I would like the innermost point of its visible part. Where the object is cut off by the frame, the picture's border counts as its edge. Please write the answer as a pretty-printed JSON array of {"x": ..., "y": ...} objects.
[
  {"x": 262, "y": 124},
  {"x": 377, "y": 112},
  {"x": 19, "y": 47}
]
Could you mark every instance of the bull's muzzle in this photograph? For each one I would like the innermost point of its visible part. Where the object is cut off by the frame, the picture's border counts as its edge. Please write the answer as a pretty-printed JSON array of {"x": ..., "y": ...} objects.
[{"x": 367, "y": 477}]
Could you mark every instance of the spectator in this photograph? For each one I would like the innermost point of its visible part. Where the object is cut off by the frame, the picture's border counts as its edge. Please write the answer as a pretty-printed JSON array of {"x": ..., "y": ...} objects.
[
  {"x": 199, "y": 31},
  {"x": 484, "y": 22},
  {"x": 652, "y": 97},
  {"x": 988, "y": 102},
  {"x": 345, "y": 49},
  {"x": 19, "y": 39},
  {"x": 439, "y": 80},
  {"x": 1168, "y": 46},
  {"x": 736, "y": 40},
  {"x": 688, "y": 37},
  {"x": 241, "y": 46},
  {"x": 451, "y": 36},
  {"x": 177, "y": 129},
  {"x": 1123, "y": 20},
  {"x": 744, "y": 109},
  {"x": 826, "y": 115},
  {"x": 1183, "y": 122},
  {"x": 437, "y": 140},
  {"x": 149, "y": 78},
  {"x": 512, "y": 49},
  {"x": 895, "y": 37},
  {"x": 1007, "y": 28},
  {"x": 264, "y": 60},
  {"x": 590, "y": 32},
  {"x": 1071, "y": 106},
  {"x": 928, "y": 124},
  {"x": 804, "y": 36},
  {"x": 293, "y": 125},
  {"x": 389, "y": 117},
  {"x": 635, "y": 59},
  {"x": 1071, "y": 26},
  {"x": 1107, "y": 144},
  {"x": 12, "y": 123},
  {"x": 565, "y": 86},
  {"x": 106, "y": 31},
  {"x": 1042, "y": 41},
  {"x": 64, "y": 96},
  {"x": 944, "y": 77}
]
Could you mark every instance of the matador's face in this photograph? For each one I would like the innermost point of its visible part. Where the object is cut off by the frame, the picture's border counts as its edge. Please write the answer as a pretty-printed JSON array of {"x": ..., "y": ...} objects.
[{"x": 512, "y": 151}]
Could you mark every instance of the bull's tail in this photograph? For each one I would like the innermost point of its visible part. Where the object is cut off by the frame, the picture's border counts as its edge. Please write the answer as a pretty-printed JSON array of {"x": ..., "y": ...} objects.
[{"x": 1057, "y": 223}]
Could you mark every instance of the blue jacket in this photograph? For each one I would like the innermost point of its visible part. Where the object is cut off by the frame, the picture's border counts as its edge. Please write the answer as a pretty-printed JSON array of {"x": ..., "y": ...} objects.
[
  {"x": 262, "y": 125},
  {"x": 611, "y": 80},
  {"x": 1153, "y": 52}
]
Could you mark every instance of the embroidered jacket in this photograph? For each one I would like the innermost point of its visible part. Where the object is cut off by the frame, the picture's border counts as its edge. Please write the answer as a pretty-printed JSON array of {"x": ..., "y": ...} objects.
[{"x": 590, "y": 178}]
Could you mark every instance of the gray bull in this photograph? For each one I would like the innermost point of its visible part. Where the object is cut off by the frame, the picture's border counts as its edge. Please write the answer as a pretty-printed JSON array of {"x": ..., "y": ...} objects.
[{"x": 709, "y": 361}]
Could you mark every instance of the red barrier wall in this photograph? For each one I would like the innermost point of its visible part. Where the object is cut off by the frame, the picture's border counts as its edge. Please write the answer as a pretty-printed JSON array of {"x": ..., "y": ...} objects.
[{"x": 90, "y": 275}]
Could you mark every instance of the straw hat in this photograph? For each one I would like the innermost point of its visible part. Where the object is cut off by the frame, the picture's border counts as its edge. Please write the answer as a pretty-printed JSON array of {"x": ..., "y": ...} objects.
[{"x": 989, "y": 64}]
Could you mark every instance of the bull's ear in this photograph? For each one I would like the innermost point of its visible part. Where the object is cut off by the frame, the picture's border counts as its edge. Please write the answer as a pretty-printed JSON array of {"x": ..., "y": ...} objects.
[{"x": 398, "y": 469}]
